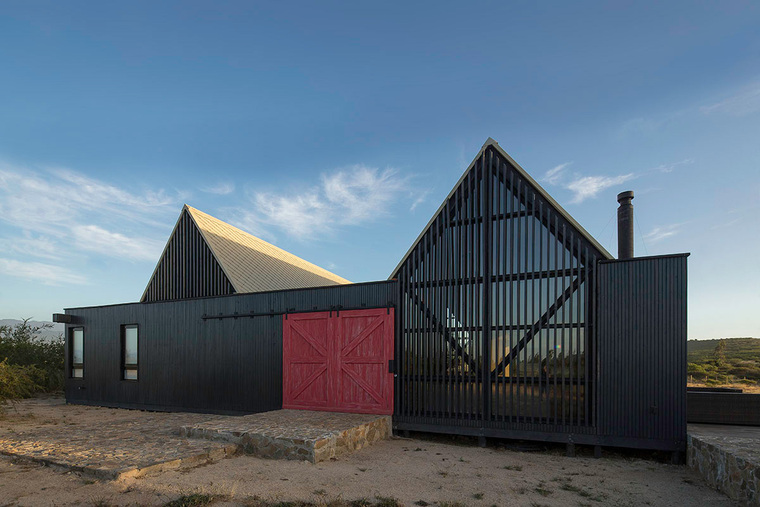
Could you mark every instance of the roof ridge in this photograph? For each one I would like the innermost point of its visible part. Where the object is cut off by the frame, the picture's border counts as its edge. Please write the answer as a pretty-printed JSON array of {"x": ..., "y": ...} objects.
[{"x": 229, "y": 232}]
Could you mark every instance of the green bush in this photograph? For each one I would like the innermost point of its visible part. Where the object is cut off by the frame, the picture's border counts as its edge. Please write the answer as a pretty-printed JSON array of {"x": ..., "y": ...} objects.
[
  {"x": 22, "y": 346},
  {"x": 18, "y": 382}
]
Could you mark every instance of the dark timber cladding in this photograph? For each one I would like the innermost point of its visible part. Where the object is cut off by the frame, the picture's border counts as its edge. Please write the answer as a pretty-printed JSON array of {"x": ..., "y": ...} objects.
[
  {"x": 187, "y": 268},
  {"x": 214, "y": 354},
  {"x": 496, "y": 313},
  {"x": 642, "y": 349}
]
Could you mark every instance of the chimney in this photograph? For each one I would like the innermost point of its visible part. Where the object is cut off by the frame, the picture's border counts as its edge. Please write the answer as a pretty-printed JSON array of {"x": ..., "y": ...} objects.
[{"x": 625, "y": 225}]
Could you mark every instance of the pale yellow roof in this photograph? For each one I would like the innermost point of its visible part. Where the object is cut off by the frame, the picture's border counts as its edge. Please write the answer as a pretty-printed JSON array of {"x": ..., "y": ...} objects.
[{"x": 252, "y": 264}]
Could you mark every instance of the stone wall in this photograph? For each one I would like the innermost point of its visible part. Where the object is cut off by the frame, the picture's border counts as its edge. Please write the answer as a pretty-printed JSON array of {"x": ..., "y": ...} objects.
[
  {"x": 296, "y": 434},
  {"x": 724, "y": 468}
]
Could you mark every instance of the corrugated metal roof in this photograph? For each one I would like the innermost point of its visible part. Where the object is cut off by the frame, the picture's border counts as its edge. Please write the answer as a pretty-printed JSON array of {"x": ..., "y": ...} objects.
[
  {"x": 524, "y": 174},
  {"x": 252, "y": 264}
]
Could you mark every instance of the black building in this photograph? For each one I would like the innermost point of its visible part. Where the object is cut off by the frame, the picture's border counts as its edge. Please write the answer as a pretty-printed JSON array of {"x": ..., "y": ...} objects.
[{"x": 510, "y": 321}]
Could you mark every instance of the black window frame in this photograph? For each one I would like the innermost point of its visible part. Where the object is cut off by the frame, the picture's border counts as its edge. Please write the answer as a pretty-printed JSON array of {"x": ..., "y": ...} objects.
[
  {"x": 129, "y": 367},
  {"x": 72, "y": 365}
]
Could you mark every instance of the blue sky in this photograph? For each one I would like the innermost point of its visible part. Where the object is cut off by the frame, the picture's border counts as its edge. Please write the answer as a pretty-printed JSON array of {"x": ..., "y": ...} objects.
[{"x": 335, "y": 130}]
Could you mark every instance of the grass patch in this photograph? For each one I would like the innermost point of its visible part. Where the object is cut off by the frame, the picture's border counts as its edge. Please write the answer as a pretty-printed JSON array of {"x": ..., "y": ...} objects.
[
  {"x": 386, "y": 501},
  {"x": 478, "y": 496},
  {"x": 192, "y": 500},
  {"x": 515, "y": 468},
  {"x": 566, "y": 486}
]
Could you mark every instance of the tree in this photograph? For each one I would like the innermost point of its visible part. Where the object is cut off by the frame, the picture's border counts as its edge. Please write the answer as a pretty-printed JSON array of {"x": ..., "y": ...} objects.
[{"x": 719, "y": 354}]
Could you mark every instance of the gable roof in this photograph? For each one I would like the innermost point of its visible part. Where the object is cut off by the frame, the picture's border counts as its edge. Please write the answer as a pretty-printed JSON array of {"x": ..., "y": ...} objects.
[
  {"x": 492, "y": 143},
  {"x": 252, "y": 264}
]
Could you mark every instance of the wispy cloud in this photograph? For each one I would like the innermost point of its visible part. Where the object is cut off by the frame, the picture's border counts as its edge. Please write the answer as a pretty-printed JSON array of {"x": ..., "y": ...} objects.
[
  {"x": 31, "y": 245},
  {"x": 59, "y": 213},
  {"x": 587, "y": 187},
  {"x": 221, "y": 188},
  {"x": 422, "y": 197},
  {"x": 351, "y": 196},
  {"x": 744, "y": 102},
  {"x": 554, "y": 175},
  {"x": 96, "y": 239},
  {"x": 669, "y": 168},
  {"x": 48, "y": 274},
  {"x": 661, "y": 232}
]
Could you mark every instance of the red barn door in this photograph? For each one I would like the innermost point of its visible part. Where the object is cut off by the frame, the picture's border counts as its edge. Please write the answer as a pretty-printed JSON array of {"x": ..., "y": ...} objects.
[{"x": 339, "y": 361}]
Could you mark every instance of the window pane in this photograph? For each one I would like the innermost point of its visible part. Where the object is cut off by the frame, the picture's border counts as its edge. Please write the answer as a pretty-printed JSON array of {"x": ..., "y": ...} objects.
[
  {"x": 77, "y": 373},
  {"x": 130, "y": 374},
  {"x": 130, "y": 345},
  {"x": 77, "y": 350}
]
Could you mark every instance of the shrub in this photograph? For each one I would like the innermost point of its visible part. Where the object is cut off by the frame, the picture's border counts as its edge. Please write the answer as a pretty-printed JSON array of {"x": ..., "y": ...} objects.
[
  {"x": 21, "y": 345},
  {"x": 18, "y": 382}
]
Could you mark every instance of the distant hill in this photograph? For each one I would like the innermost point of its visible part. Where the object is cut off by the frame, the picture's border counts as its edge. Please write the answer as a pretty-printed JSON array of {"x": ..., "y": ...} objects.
[
  {"x": 46, "y": 334},
  {"x": 738, "y": 348},
  {"x": 724, "y": 361}
]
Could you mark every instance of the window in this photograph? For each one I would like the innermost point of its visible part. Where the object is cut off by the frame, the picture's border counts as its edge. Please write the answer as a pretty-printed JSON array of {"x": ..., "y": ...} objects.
[
  {"x": 129, "y": 352},
  {"x": 76, "y": 352}
]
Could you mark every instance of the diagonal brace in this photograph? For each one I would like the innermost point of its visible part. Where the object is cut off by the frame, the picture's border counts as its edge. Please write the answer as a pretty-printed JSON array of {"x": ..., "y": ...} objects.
[
  {"x": 439, "y": 327},
  {"x": 538, "y": 325}
]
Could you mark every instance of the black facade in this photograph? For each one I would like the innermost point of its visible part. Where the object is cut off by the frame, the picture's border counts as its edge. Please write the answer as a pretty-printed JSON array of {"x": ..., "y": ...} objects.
[
  {"x": 511, "y": 322},
  {"x": 196, "y": 354},
  {"x": 507, "y": 324},
  {"x": 642, "y": 351}
]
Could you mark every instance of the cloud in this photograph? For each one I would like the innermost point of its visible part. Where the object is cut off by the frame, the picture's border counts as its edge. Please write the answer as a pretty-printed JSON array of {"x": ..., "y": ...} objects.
[
  {"x": 48, "y": 274},
  {"x": 59, "y": 213},
  {"x": 586, "y": 187},
  {"x": 221, "y": 188},
  {"x": 553, "y": 176},
  {"x": 662, "y": 232},
  {"x": 589, "y": 186},
  {"x": 422, "y": 197},
  {"x": 742, "y": 103},
  {"x": 669, "y": 168},
  {"x": 39, "y": 246},
  {"x": 96, "y": 239},
  {"x": 348, "y": 197},
  {"x": 46, "y": 202}
]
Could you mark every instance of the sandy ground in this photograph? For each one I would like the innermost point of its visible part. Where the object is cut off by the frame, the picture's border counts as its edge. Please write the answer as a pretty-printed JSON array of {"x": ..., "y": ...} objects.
[{"x": 418, "y": 471}]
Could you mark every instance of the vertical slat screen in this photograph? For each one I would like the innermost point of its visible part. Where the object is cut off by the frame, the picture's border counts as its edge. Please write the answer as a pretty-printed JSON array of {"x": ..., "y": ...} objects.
[{"x": 496, "y": 317}]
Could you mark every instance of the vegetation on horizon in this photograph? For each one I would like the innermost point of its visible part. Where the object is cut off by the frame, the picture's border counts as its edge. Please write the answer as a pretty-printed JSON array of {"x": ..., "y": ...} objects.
[
  {"x": 29, "y": 364},
  {"x": 724, "y": 362}
]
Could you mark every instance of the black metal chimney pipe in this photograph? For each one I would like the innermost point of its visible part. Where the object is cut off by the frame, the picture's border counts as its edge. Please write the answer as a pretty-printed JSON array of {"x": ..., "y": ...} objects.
[{"x": 625, "y": 225}]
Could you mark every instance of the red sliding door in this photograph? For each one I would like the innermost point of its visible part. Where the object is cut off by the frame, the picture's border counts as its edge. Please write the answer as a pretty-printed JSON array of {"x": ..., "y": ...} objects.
[{"x": 339, "y": 361}]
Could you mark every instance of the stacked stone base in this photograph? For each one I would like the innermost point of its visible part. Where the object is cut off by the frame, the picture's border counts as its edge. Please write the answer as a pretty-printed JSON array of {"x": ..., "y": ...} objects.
[
  {"x": 296, "y": 435},
  {"x": 726, "y": 465}
]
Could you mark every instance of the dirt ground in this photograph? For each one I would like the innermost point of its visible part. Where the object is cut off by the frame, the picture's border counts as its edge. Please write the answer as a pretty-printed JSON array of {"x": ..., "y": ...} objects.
[{"x": 419, "y": 471}]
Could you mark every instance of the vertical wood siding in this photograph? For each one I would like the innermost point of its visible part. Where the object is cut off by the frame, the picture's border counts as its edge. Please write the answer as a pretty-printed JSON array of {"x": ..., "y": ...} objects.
[
  {"x": 642, "y": 349},
  {"x": 212, "y": 365},
  {"x": 187, "y": 268}
]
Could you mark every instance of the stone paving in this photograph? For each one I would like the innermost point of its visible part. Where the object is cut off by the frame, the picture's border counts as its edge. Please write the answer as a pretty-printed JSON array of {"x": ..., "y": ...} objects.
[
  {"x": 115, "y": 443},
  {"x": 102, "y": 442},
  {"x": 728, "y": 458},
  {"x": 296, "y": 434}
]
